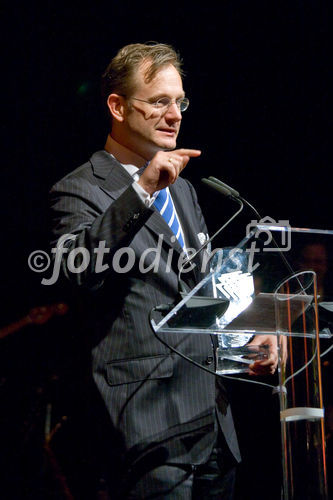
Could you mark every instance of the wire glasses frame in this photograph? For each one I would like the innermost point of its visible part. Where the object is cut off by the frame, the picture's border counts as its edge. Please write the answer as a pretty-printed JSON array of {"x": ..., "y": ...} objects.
[{"x": 165, "y": 103}]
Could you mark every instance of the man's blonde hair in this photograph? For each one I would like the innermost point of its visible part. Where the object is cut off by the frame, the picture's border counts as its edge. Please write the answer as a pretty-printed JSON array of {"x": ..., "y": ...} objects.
[{"x": 119, "y": 76}]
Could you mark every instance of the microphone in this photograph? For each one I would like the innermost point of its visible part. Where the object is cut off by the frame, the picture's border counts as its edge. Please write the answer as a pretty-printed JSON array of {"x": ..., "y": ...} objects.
[
  {"x": 233, "y": 192},
  {"x": 221, "y": 186},
  {"x": 223, "y": 189}
]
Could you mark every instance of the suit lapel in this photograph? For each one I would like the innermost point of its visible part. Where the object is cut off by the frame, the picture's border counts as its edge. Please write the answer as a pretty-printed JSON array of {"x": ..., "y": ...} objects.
[{"x": 112, "y": 177}]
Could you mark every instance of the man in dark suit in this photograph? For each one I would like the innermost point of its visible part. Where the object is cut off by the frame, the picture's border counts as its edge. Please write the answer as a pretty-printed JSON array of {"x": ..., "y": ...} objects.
[{"x": 170, "y": 426}]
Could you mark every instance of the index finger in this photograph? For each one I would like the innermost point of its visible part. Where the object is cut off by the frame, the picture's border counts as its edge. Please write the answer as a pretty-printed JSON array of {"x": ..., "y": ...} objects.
[{"x": 192, "y": 153}]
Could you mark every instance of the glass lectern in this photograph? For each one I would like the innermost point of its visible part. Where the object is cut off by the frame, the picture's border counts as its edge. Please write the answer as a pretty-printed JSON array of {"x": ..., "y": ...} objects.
[{"x": 262, "y": 286}]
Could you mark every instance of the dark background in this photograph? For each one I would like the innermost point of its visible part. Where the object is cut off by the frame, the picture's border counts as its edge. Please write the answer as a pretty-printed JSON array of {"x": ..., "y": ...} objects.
[{"x": 258, "y": 77}]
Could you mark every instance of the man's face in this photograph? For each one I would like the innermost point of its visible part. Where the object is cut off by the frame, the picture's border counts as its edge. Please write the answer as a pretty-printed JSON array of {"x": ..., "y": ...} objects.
[{"x": 147, "y": 129}]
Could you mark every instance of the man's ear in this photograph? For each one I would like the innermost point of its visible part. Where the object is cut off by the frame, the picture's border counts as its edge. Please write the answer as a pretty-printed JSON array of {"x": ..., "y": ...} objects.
[{"x": 116, "y": 105}]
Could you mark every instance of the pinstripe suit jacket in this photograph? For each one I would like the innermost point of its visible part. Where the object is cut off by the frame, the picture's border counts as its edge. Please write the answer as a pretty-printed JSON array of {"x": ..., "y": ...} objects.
[{"x": 154, "y": 398}]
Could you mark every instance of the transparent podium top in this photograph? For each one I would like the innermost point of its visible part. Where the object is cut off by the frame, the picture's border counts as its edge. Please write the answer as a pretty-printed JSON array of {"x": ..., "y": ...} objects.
[{"x": 241, "y": 285}]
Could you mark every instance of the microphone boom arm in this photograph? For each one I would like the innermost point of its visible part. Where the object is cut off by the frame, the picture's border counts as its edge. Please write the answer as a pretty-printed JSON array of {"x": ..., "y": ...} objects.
[{"x": 227, "y": 193}]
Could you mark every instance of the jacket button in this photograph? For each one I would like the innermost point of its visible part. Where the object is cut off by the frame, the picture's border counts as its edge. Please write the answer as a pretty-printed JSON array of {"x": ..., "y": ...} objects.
[{"x": 209, "y": 360}]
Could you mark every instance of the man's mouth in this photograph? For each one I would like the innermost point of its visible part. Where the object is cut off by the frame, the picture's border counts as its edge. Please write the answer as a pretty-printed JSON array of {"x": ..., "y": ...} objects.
[{"x": 167, "y": 131}]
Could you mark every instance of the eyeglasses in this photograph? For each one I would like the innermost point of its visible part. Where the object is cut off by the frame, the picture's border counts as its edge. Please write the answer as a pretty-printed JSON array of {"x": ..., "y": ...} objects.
[{"x": 164, "y": 103}]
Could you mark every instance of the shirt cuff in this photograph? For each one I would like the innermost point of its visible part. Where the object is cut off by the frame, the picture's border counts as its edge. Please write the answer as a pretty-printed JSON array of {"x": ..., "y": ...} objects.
[{"x": 143, "y": 195}]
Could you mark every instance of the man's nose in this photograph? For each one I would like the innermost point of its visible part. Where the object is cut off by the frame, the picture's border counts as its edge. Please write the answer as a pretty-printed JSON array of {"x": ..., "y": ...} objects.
[{"x": 173, "y": 112}]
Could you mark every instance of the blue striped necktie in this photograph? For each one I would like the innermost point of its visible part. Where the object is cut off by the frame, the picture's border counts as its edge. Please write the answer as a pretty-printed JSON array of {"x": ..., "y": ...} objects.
[{"x": 165, "y": 206}]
